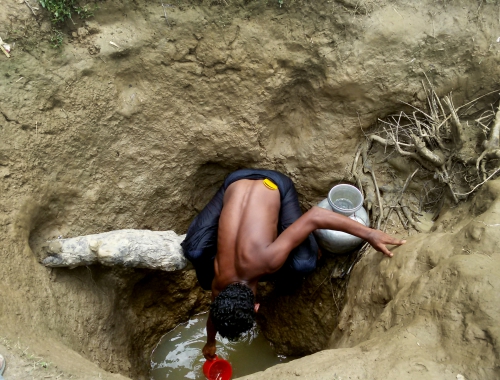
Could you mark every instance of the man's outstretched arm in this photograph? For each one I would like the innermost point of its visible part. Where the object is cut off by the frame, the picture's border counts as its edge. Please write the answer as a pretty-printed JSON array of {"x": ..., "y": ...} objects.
[{"x": 320, "y": 218}]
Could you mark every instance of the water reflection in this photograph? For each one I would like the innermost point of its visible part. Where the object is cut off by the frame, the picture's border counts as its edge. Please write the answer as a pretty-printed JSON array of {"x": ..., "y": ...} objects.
[{"x": 178, "y": 355}]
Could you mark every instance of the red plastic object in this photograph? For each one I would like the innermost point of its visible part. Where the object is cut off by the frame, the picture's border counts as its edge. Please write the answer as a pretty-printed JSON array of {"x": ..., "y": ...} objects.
[{"x": 217, "y": 369}]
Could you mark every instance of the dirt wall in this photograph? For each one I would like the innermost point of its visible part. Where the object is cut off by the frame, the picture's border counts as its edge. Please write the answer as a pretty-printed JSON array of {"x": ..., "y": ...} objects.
[
  {"x": 136, "y": 119},
  {"x": 429, "y": 312}
]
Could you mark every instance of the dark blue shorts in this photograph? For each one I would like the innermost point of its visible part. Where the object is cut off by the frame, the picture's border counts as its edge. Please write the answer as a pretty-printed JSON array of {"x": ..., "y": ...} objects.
[{"x": 200, "y": 244}]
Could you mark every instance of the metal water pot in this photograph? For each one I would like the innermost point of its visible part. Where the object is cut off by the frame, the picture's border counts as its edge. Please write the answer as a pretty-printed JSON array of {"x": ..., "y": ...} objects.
[{"x": 346, "y": 200}]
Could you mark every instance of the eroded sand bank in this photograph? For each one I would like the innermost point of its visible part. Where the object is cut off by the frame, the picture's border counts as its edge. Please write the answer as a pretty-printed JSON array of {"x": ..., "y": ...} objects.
[{"x": 96, "y": 137}]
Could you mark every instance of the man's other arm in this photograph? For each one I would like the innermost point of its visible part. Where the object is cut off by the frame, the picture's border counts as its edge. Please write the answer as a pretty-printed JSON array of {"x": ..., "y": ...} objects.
[{"x": 209, "y": 348}]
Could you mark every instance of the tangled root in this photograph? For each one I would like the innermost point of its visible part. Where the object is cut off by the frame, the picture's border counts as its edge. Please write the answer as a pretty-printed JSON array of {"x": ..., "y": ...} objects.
[{"x": 435, "y": 141}]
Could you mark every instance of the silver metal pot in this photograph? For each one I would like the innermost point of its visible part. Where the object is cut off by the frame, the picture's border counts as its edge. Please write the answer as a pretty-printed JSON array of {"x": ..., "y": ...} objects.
[
  {"x": 345, "y": 199},
  {"x": 338, "y": 241}
]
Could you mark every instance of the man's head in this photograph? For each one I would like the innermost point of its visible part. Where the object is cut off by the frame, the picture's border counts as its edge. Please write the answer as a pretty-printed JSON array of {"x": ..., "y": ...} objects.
[{"x": 233, "y": 311}]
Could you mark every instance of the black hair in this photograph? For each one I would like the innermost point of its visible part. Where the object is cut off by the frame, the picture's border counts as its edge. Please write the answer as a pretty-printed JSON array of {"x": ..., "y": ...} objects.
[{"x": 232, "y": 311}]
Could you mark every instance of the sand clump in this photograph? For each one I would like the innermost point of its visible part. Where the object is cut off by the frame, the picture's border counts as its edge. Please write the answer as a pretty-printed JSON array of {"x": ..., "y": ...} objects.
[{"x": 140, "y": 133}]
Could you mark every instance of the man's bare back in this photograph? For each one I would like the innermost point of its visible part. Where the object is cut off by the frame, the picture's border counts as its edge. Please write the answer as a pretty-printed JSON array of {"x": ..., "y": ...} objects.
[{"x": 247, "y": 226}]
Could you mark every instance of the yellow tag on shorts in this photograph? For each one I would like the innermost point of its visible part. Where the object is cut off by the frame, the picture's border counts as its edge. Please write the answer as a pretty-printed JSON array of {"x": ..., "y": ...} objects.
[{"x": 270, "y": 184}]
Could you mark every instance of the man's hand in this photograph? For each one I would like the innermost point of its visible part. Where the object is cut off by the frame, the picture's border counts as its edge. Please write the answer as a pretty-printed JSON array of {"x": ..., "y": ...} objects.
[
  {"x": 379, "y": 239},
  {"x": 209, "y": 351}
]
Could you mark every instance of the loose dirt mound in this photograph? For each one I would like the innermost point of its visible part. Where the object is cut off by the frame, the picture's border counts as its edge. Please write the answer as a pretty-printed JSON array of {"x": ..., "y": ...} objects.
[
  {"x": 430, "y": 312},
  {"x": 139, "y": 133}
]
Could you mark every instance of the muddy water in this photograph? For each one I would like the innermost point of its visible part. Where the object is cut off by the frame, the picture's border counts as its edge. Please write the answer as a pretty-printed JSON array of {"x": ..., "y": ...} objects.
[{"x": 178, "y": 355}]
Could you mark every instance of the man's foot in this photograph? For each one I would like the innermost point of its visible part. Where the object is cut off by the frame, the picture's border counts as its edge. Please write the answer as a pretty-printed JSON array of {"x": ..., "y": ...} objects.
[{"x": 2, "y": 365}]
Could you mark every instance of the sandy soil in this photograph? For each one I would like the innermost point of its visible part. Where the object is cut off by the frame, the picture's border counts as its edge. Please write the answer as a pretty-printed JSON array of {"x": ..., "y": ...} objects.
[
  {"x": 139, "y": 134},
  {"x": 51, "y": 361},
  {"x": 430, "y": 312}
]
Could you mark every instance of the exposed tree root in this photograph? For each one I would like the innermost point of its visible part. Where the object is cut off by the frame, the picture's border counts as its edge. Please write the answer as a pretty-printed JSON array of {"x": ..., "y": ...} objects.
[
  {"x": 439, "y": 143},
  {"x": 398, "y": 201},
  {"x": 491, "y": 146},
  {"x": 407, "y": 213}
]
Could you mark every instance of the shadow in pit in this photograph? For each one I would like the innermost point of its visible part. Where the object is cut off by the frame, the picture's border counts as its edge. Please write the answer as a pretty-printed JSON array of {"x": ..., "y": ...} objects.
[
  {"x": 115, "y": 316},
  {"x": 298, "y": 315},
  {"x": 110, "y": 315}
]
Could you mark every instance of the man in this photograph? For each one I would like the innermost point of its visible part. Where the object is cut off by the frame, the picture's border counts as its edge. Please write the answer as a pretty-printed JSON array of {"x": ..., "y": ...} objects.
[{"x": 252, "y": 228}]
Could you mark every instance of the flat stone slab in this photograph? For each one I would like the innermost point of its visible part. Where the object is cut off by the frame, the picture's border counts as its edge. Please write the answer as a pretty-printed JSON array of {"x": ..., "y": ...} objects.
[{"x": 127, "y": 248}]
